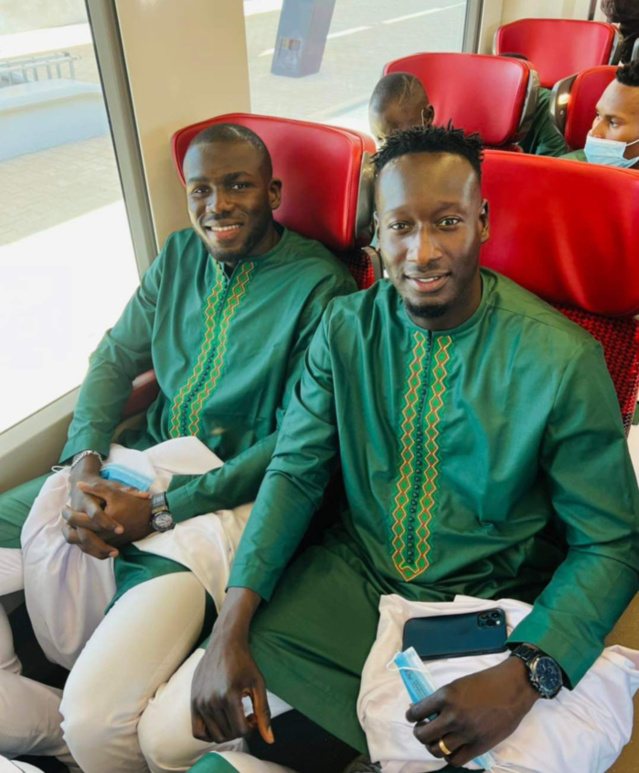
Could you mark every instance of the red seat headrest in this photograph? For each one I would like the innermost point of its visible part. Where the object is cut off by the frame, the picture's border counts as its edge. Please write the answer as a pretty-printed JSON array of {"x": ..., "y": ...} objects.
[
  {"x": 576, "y": 97},
  {"x": 558, "y": 48},
  {"x": 321, "y": 168},
  {"x": 565, "y": 231},
  {"x": 478, "y": 93}
]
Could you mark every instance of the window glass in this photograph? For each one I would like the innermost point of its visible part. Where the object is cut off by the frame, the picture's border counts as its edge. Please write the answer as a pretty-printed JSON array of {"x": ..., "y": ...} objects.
[
  {"x": 360, "y": 37},
  {"x": 66, "y": 259}
]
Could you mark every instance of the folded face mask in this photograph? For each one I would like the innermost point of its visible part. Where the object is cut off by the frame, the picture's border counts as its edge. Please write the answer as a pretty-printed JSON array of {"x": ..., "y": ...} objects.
[{"x": 609, "y": 152}]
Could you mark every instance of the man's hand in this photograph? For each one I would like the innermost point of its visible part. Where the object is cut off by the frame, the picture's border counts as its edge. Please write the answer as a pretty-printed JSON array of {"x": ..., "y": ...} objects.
[
  {"x": 110, "y": 515},
  {"x": 475, "y": 712},
  {"x": 226, "y": 674}
]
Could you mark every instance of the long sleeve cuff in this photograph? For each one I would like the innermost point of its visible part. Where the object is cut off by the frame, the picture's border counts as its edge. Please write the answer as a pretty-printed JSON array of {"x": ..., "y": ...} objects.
[
  {"x": 574, "y": 658},
  {"x": 86, "y": 439},
  {"x": 255, "y": 577},
  {"x": 181, "y": 501}
]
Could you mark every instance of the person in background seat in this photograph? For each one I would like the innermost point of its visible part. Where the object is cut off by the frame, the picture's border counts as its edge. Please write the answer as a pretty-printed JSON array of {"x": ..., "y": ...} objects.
[
  {"x": 614, "y": 137},
  {"x": 625, "y": 13},
  {"x": 224, "y": 316},
  {"x": 543, "y": 138},
  {"x": 399, "y": 101},
  {"x": 483, "y": 454}
]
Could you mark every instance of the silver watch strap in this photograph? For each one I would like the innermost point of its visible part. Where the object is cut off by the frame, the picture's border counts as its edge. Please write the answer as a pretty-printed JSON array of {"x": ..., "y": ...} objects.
[{"x": 83, "y": 454}]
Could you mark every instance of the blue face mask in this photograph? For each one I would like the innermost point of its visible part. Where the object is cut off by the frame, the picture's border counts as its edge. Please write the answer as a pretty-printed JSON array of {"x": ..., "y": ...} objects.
[{"x": 609, "y": 152}]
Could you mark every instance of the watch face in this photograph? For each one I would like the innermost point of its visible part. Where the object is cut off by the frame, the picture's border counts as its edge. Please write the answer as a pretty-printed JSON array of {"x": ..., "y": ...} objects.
[
  {"x": 163, "y": 521},
  {"x": 548, "y": 676}
]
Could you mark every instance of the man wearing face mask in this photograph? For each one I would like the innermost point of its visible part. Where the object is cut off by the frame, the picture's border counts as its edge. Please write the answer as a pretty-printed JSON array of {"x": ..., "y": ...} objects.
[{"x": 614, "y": 137}]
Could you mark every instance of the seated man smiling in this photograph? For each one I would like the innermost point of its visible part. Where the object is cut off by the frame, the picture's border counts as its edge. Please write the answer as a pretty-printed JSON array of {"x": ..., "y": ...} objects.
[
  {"x": 224, "y": 316},
  {"x": 483, "y": 454},
  {"x": 614, "y": 137}
]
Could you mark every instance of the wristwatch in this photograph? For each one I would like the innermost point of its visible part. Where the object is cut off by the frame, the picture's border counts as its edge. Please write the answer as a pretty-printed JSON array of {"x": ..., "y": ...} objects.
[
  {"x": 161, "y": 518},
  {"x": 543, "y": 671}
]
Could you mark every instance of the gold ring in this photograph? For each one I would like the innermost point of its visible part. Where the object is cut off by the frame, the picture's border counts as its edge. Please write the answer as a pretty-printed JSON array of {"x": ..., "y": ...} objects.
[{"x": 447, "y": 752}]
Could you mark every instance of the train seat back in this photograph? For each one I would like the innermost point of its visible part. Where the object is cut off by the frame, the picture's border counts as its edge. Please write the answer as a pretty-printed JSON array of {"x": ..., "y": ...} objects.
[
  {"x": 558, "y": 48},
  {"x": 326, "y": 181},
  {"x": 495, "y": 97},
  {"x": 584, "y": 266},
  {"x": 574, "y": 101}
]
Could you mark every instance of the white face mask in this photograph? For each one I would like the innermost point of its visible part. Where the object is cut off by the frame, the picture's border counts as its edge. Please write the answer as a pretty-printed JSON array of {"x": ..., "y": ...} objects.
[{"x": 609, "y": 152}]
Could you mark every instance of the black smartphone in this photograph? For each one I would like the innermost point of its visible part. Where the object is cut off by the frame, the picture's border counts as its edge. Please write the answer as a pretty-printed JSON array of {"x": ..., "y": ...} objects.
[{"x": 456, "y": 636}]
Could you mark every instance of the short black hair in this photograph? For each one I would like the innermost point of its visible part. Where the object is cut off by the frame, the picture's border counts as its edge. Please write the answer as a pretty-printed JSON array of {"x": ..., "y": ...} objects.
[
  {"x": 628, "y": 74},
  {"x": 233, "y": 132},
  {"x": 431, "y": 139},
  {"x": 396, "y": 87}
]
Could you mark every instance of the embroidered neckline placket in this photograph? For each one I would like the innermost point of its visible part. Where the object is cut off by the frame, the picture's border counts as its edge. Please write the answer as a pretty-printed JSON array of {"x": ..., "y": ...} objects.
[
  {"x": 220, "y": 309},
  {"x": 415, "y": 501}
]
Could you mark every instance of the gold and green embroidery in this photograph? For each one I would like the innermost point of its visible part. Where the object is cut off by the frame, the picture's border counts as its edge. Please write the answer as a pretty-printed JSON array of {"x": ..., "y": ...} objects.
[
  {"x": 415, "y": 501},
  {"x": 219, "y": 312}
]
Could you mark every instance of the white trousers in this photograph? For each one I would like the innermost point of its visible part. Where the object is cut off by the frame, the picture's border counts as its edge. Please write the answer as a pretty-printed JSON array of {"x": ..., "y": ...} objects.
[
  {"x": 11, "y": 575},
  {"x": 29, "y": 711},
  {"x": 165, "y": 728},
  {"x": 17, "y": 767},
  {"x": 140, "y": 643}
]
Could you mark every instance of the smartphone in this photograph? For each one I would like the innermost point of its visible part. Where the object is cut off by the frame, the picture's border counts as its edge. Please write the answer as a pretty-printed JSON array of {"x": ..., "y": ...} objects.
[{"x": 457, "y": 636}]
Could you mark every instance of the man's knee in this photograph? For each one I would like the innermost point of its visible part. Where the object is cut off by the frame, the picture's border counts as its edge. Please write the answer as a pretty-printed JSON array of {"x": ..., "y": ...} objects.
[
  {"x": 15, "y": 505},
  {"x": 86, "y": 725},
  {"x": 167, "y": 742}
]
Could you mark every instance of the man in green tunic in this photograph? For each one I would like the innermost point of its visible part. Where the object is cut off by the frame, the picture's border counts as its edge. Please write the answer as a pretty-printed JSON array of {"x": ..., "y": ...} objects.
[
  {"x": 224, "y": 316},
  {"x": 483, "y": 454},
  {"x": 614, "y": 137}
]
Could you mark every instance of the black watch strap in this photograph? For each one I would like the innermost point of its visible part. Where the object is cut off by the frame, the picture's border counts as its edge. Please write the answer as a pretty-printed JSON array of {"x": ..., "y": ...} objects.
[{"x": 525, "y": 652}]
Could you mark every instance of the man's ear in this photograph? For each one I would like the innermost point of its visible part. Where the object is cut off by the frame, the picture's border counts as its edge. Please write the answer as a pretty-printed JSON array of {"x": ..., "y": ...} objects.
[
  {"x": 484, "y": 218},
  {"x": 275, "y": 193},
  {"x": 430, "y": 115}
]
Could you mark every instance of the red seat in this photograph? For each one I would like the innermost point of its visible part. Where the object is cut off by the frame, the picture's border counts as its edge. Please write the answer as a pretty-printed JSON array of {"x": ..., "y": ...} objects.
[
  {"x": 584, "y": 266},
  {"x": 326, "y": 175},
  {"x": 326, "y": 195},
  {"x": 574, "y": 102},
  {"x": 558, "y": 48},
  {"x": 495, "y": 97}
]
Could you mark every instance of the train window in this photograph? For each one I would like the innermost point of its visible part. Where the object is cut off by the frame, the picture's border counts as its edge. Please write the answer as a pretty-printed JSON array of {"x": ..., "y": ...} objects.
[
  {"x": 319, "y": 60},
  {"x": 66, "y": 255}
]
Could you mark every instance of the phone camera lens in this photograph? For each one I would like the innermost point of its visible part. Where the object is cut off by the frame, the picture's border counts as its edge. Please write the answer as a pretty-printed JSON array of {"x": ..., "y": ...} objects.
[
  {"x": 483, "y": 616},
  {"x": 491, "y": 623},
  {"x": 495, "y": 615}
]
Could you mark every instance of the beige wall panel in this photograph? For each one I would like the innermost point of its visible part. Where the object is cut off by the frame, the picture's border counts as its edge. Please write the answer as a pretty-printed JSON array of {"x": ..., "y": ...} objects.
[
  {"x": 186, "y": 62},
  {"x": 490, "y": 22},
  {"x": 544, "y": 9}
]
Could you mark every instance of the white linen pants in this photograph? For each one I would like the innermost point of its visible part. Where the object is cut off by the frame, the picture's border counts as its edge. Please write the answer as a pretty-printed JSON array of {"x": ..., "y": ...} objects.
[
  {"x": 29, "y": 711},
  {"x": 165, "y": 727},
  {"x": 140, "y": 643}
]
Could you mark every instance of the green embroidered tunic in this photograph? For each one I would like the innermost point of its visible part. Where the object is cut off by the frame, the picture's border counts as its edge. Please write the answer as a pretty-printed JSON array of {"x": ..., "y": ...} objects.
[
  {"x": 488, "y": 460},
  {"x": 226, "y": 350},
  {"x": 543, "y": 138},
  {"x": 576, "y": 155}
]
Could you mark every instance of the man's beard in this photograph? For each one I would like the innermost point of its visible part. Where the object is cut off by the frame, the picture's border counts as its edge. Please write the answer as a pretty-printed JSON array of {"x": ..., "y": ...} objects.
[
  {"x": 427, "y": 312},
  {"x": 254, "y": 237}
]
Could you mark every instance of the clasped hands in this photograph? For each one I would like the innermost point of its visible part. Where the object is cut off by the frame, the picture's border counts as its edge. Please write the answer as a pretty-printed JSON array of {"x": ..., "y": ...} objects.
[{"x": 104, "y": 515}]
